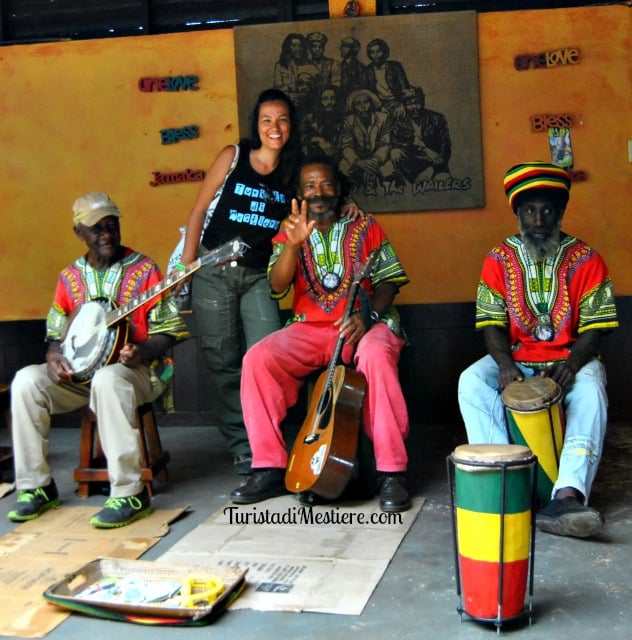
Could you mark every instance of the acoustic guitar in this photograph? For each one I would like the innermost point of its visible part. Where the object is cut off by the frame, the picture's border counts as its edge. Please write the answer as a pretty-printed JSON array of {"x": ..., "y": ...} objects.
[
  {"x": 95, "y": 332},
  {"x": 325, "y": 448}
]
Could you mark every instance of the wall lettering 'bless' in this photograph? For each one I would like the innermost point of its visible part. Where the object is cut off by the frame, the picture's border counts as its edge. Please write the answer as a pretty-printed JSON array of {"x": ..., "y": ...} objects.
[
  {"x": 171, "y": 136},
  {"x": 543, "y": 121}
]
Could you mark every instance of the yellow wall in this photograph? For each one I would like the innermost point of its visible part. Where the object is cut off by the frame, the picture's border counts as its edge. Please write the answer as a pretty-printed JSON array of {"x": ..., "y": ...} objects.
[{"x": 73, "y": 120}]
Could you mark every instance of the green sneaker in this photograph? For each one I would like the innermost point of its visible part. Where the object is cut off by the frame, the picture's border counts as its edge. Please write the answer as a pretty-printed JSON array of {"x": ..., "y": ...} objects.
[
  {"x": 119, "y": 512},
  {"x": 32, "y": 503}
]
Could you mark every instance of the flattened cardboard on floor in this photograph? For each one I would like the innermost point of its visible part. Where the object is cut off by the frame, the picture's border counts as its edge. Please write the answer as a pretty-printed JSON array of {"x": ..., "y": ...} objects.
[
  {"x": 328, "y": 559},
  {"x": 42, "y": 551}
]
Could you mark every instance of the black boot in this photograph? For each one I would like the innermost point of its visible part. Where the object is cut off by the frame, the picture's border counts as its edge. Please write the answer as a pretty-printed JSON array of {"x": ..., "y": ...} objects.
[
  {"x": 261, "y": 485},
  {"x": 393, "y": 493}
]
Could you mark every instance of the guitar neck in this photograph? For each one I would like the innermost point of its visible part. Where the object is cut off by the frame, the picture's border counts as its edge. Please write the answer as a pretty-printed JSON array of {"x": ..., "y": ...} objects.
[
  {"x": 351, "y": 298},
  {"x": 353, "y": 292},
  {"x": 227, "y": 252}
]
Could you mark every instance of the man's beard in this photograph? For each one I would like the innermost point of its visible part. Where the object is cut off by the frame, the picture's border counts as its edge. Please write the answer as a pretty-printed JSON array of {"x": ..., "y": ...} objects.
[
  {"x": 541, "y": 248},
  {"x": 331, "y": 202}
]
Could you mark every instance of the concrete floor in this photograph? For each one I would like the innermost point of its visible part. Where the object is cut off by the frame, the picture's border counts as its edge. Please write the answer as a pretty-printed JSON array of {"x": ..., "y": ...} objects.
[{"x": 582, "y": 587}]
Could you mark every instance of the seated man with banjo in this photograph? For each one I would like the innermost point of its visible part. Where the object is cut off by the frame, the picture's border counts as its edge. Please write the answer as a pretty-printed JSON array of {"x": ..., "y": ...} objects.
[
  {"x": 544, "y": 301},
  {"x": 321, "y": 254},
  {"x": 81, "y": 341}
]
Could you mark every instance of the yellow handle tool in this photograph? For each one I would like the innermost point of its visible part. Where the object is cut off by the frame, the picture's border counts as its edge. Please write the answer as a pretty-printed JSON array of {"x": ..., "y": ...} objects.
[{"x": 200, "y": 590}]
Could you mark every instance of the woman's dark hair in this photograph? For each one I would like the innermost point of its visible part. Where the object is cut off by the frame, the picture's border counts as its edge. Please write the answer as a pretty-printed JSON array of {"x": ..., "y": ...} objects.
[{"x": 290, "y": 153}]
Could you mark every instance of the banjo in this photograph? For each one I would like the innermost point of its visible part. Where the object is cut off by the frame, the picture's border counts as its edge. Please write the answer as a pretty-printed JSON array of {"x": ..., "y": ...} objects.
[{"x": 94, "y": 334}]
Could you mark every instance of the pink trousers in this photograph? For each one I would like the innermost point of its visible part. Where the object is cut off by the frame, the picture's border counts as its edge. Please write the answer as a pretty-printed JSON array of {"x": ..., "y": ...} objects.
[{"x": 274, "y": 370}]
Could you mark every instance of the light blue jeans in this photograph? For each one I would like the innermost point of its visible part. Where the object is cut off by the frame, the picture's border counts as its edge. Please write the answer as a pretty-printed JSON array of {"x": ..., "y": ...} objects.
[{"x": 585, "y": 408}]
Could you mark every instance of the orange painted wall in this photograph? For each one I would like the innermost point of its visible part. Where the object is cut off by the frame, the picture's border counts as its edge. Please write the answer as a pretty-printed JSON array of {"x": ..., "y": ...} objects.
[{"x": 72, "y": 120}]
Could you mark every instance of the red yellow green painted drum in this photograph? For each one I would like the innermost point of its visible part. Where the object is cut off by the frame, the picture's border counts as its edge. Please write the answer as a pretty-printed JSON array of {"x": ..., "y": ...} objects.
[
  {"x": 493, "y": 491},
  {"x": 535, "y": 419}
]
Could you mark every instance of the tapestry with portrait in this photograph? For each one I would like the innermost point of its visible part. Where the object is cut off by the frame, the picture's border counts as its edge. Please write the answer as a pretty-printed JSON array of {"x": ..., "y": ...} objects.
[{"x": 393, "y": 99}]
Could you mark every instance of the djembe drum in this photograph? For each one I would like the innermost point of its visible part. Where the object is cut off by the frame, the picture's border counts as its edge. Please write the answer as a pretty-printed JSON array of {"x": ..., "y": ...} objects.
[
  {"x": 493, "y": 501},
  {"x": 535, "y": 419}
]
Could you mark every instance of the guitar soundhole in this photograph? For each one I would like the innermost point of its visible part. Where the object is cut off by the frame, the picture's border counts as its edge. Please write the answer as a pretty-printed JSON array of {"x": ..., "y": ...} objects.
[{"x": 325, "y": 407}]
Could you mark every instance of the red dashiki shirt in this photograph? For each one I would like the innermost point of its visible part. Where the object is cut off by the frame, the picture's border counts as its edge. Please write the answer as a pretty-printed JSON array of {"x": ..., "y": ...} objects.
[
  {"x": 573, "y": 288},
  {"x": 120, "y": 283},
  {"x": 336, "y": 257}
]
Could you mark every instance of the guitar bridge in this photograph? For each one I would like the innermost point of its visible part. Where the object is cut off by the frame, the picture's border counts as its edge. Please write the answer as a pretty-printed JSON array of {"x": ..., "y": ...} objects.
[{"x": 311, "y": 438}]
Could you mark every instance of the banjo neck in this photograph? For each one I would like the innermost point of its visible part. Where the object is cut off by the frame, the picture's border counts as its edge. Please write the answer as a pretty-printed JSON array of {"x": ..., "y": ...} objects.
[
  {"x": 91, "y": 338},
  {"x": 232, "y": 250}
]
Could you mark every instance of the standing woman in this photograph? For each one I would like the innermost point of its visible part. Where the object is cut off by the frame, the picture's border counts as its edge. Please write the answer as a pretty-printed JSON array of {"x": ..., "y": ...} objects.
[{"x": 232, "y": 304}]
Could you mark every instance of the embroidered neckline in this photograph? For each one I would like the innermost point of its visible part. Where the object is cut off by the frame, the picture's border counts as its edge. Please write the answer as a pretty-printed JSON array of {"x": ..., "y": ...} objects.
[
  {"x": 327, "y": 256},
  {"x": 101, "y": 284},
  {"x": 329, "y": 251},
  {"x": 540, "y": 287}
]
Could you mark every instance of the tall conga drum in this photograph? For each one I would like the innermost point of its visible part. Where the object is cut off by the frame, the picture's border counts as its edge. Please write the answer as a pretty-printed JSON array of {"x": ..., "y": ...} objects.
[
  {"x": 535, "y": 419},
  {"x": 493, "y": 500}
]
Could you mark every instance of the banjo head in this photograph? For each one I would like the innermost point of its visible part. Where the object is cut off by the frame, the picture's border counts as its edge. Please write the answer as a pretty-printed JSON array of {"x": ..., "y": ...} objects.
[{"x": 88, "y": 341}]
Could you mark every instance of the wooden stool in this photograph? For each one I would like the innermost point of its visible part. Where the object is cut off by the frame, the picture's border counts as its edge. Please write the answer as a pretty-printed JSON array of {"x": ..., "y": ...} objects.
[{"x": 93, "y": 465}]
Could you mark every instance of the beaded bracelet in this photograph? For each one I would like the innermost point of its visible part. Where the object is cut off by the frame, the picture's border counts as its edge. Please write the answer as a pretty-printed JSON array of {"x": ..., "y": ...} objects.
[{"x": 180, "y": 267}]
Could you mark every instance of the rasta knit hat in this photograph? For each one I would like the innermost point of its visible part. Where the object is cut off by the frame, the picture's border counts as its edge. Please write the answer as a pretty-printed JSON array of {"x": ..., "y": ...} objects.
[
  {"x": 92, "y": 207},
  {"x": 535, "y": 175}
]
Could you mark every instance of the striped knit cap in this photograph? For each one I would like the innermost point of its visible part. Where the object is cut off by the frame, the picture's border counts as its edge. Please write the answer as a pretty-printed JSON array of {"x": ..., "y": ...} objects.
[{"x": 534, "y": 175}]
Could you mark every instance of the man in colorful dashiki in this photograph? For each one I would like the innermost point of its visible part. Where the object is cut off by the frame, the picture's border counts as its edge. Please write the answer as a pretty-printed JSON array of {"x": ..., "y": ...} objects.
[
  {"x": 544, "y": 301},
  {"x": 112, "y": 273},
  {"x": 319, "y": 253}
]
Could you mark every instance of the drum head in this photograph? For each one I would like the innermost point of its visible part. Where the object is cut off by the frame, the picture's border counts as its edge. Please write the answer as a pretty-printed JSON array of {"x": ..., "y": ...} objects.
[
  {"x": 531, "y": 394},
  {"x": 491, "y": 453}
]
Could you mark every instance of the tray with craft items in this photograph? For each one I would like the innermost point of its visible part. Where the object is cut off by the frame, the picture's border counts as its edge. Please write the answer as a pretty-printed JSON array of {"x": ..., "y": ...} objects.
[{"x": 146, "y": 592}]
